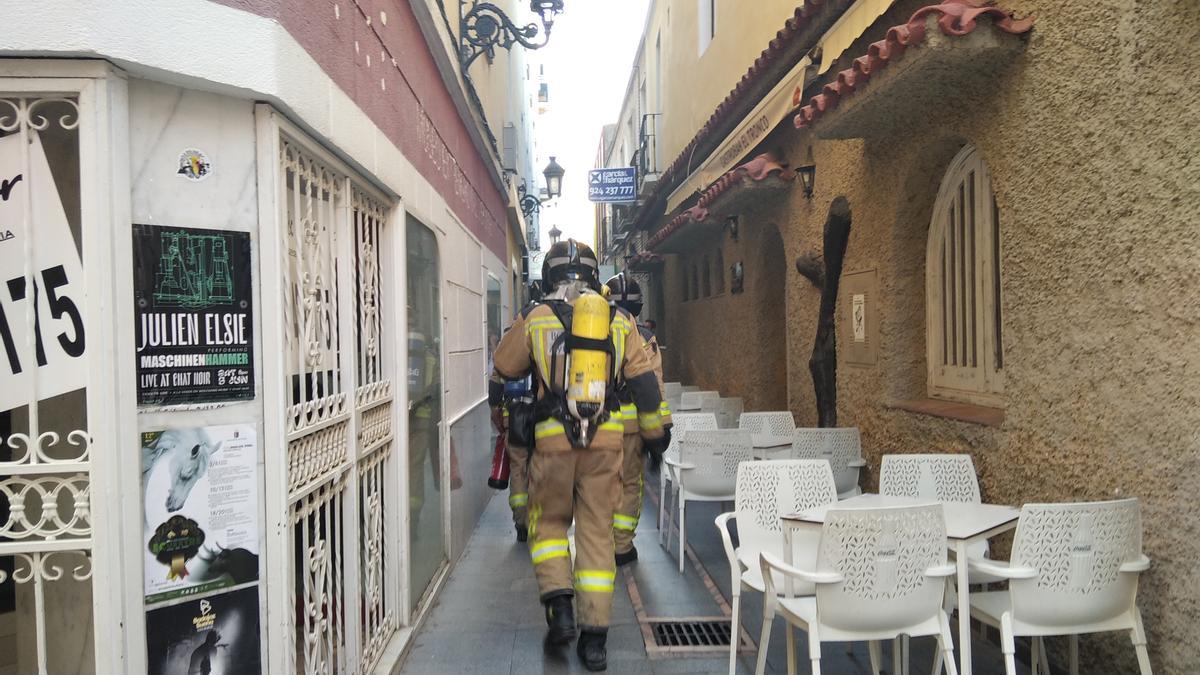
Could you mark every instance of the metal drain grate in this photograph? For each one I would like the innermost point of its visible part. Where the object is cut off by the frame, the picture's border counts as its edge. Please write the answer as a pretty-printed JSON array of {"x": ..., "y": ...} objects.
[{"x": 691, "y": 634}]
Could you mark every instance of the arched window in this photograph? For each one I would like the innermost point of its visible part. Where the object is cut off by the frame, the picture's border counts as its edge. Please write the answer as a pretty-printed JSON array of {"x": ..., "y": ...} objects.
[
  {"x": 706, "y": 278},
  {"x": 962, "y": 273},
  {"x": 695, "y": 282},
  {"x": 719, "y": 268},
  {"x": 684, "y": 286}
]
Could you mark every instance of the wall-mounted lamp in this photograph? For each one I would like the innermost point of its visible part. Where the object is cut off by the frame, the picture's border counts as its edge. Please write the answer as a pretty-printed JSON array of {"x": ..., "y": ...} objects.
[
  {"x": 483, "y": 26},
  {"x": 554, "y": 175},
  {"x": 808, "y": 175},
  {"x": 737, "y": 276},
  {"x": 731, "y": 224}
]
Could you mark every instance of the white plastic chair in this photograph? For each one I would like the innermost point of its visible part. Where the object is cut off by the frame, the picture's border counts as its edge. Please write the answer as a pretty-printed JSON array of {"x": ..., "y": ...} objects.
[
  {"x": 728, "y": 411},
  {"x": 765, "y": 492},
  {"x": 707, "y": 472},
  {"x": 682, "y": 424},
  {"x": 880, "y": 573},
  {"x": 940, "y": 477},
  {"x": 1074, "y": 570},
  {"x": 778, "y": 423},
  {"x": 672, "y": 389},
  {"x": 695, "y": 401},
  {"x": 688, "y": 387},
  {"x": 841, "y": 447}
]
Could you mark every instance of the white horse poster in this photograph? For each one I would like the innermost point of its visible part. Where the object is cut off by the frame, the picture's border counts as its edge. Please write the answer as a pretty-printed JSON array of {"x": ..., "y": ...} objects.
[{"x": 200, "y": 501}]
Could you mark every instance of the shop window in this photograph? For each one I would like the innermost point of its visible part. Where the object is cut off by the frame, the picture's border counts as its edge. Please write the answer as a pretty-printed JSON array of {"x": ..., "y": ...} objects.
[
  {"x": 719, "y": 268},
  {"x": 706, "y": 278},
  {"x": 963, "y": 303}
]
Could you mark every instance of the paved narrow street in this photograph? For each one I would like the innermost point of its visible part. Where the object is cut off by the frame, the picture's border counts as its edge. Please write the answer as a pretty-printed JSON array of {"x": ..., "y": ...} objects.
[{"x": 488, "y": 620}]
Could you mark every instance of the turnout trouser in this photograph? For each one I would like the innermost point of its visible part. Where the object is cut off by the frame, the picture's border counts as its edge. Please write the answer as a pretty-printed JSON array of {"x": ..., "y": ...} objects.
[
  {"x": 629, "y": 508},
  {"x": 518, "y": 484},
  {"x": 582, "y": 485}
]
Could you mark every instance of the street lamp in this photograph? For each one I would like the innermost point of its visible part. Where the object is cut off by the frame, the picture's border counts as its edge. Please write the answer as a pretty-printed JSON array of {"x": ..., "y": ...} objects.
[
  {"x": 483, "y": 25},
  {"x": 530, "y": 203},
  {"x": 807, "y": 175},
  {"x": 555, "y": 235},
  {"x": 554, "y": 175}
]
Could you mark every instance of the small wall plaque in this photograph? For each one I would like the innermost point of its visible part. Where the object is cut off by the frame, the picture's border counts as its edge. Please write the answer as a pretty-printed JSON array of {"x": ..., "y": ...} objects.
[{"x": 858, "y": 317}]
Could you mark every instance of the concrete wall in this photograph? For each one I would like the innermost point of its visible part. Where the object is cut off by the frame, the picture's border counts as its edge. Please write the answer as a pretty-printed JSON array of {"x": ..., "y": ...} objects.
[{"x": 1090, "y": 138}]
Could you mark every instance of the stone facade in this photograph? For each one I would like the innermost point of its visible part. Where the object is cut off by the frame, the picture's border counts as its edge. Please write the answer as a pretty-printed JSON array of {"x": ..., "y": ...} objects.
[{"x": 1089, "y": 134}]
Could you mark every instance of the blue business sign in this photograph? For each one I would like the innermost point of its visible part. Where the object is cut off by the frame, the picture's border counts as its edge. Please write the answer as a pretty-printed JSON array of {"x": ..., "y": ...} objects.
[{"x": 613, "y": 185}]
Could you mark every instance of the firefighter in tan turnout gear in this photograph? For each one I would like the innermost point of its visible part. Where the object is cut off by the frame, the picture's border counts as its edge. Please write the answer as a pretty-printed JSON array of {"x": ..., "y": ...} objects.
[
  {"x": 626, "y": 293},
  {"x": 579, "y": 351}
]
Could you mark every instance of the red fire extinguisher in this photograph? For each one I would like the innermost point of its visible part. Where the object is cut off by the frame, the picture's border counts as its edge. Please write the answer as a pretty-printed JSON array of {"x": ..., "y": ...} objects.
[{"x": 498, "y": 480}]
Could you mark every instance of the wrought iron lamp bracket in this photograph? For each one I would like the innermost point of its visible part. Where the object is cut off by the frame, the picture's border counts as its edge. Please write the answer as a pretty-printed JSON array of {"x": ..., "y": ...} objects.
[
  {"x": 483, "y": 26},
  {"x": 530, "y": 204}
]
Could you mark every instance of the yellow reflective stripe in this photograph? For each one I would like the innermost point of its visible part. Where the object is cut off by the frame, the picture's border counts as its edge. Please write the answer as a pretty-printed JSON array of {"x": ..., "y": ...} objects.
[
  {"x": 550, "y": 548},
  {"x": 596, "y": 581},
  {"x": 629, "y": 411},
  {"x": 548, "y": 428},
  {"x": 518, "y": 499},
  {"x": 613, "y": 424},
  {"x": 624, "y": 522},
  {"x": 650, "y": 420},
  {"x": 663, "y": 408}
]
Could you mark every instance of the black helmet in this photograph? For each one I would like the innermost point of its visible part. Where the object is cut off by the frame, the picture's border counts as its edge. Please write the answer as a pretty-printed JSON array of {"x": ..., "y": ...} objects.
[
  {"x": 570, "y": 261},
  {"x": 626, "y": 293}
]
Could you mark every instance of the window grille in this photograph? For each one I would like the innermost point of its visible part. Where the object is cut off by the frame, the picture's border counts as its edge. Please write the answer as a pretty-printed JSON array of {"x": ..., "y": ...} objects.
[
  {"x": 342, "y": 478},
  {"x": 963, "y": 304},
  {"x": 47, "y": 413}
]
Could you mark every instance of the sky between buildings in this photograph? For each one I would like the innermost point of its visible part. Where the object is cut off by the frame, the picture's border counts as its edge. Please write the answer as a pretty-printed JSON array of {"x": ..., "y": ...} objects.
[{"x": 588, "y": 64}]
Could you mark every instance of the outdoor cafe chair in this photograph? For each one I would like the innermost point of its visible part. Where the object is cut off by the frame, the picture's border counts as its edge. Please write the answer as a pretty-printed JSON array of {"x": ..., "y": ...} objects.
[
  {"x": 696, "y": 401},
  {"x": 1074, "y": 570},
  {"x": 938, "y": 477},
  {"x": 707, "y": 471},
  {"x": 688, "y": 387},
  {"x": 682, "y": 424},
  {"x": 841, "y": 447},
  {"x": 880, "y": 573},
  {"x": 765, "y": 492},
  {"x": 776, "y": 423},
  {"x": 672, "y": 389},
  {"x": 771, "y": 432},
  {"x": 728, "y": 411}
]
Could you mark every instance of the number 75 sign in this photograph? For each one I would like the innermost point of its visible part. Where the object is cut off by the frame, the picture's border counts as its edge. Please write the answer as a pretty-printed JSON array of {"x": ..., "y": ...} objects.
[{"x": 45, "y": 289}]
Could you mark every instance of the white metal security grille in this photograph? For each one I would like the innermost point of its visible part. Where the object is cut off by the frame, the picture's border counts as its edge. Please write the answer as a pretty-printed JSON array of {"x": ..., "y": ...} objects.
[
  {"x": 374, "y": 411},
  {"x": 963, "y": 286},
  {"x": 45, "y": 468},
  {"x": 341, "y": 495}
]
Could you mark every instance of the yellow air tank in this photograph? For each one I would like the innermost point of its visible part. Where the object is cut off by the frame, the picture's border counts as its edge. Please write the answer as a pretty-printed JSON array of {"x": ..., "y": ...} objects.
[{"x": 587, "y": 376}]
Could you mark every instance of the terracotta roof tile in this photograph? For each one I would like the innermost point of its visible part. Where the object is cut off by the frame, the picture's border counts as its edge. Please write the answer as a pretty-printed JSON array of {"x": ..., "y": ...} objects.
[
  {"x": 773, "y": 51},
  {"x": 957, "y": 18},
  {"x": 757, "y": 169}
]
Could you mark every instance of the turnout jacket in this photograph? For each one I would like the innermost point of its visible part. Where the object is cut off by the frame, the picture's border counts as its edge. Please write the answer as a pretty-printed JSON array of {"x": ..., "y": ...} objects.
[
  {"x": 526, "y": 348},
  {"x": 650, "y": 344}
]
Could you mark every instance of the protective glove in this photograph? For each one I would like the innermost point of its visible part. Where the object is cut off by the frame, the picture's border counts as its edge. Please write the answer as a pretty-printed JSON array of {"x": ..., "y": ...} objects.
[{"x": 654, "y": 448}]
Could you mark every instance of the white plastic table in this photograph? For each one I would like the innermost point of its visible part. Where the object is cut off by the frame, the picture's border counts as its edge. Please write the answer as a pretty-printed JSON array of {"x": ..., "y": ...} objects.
[{"x": 966, "y": 523}]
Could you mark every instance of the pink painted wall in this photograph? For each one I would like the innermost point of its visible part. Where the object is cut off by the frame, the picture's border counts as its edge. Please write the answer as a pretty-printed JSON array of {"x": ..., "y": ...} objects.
[{"x": 415, "y": 110}]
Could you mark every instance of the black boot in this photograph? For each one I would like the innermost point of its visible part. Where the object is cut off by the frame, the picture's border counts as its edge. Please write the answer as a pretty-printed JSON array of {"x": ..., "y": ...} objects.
[
  {"x": 626, "y": 557},
  {"x": 522, "y": 533},
  {"x": 560, "y": 617},
  {"x": 592, "y": 650}
]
